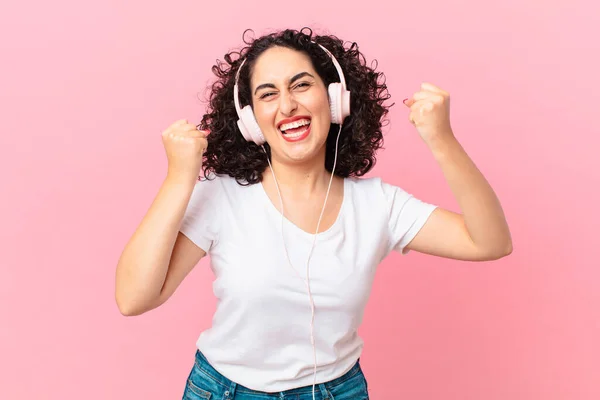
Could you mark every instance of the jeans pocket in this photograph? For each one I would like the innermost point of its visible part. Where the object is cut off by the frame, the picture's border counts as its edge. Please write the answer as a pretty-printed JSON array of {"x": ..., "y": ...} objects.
[
  {"x": 193, "y": 392},
  {"x": 354, "y": 388},
  {"x": 202, "y": 386}
]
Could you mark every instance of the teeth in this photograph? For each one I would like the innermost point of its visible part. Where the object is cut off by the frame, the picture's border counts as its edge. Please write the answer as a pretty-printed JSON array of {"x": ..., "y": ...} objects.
[
  {"x": 295, "y": 135},
  {"x": 295, "y": 124}
]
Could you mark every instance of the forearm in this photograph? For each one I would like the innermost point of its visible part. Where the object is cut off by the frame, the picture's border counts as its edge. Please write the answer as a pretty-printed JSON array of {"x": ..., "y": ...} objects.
[
  {"x": 143, "y": 265},
  {"x": 481, "y": 209}
]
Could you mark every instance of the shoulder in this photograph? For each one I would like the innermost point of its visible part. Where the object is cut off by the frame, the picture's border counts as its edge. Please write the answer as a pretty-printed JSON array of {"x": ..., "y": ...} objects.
[
  {"x": 211, "y": 186},
  {"x": 221, "y": 187},
  {"x": 372, "y": 186},
  {"x": 215, "y": 181},
  {"x": 374, "y": 192},
  {"x": 366, "y": 194}
]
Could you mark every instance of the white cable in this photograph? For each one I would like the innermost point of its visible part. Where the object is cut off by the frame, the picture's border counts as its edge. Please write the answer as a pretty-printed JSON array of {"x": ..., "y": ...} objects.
[{"x": 307, "y": 281}]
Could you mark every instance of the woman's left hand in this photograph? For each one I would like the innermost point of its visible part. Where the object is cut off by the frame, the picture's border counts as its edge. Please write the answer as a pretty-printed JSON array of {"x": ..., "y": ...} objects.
[{"x": 430, "y": 113}]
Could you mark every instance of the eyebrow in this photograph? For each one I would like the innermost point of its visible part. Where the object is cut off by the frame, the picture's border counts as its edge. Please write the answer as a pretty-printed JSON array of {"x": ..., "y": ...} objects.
[{"x": 292, "y": 80}]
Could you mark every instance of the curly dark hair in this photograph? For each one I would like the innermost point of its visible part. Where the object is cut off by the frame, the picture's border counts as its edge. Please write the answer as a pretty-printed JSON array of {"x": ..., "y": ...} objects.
[{"x": 228, "y": 153}]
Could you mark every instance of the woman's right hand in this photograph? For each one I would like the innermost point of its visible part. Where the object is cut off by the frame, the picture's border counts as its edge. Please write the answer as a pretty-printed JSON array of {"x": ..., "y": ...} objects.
[{"x": 184, "y": 145}]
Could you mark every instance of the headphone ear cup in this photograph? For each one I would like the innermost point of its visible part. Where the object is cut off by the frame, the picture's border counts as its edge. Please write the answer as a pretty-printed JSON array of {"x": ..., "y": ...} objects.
[
  {"x": 334, "y": 100},
  {"x": 339, "y": 102},
  {"x": 249, "y": 127}
]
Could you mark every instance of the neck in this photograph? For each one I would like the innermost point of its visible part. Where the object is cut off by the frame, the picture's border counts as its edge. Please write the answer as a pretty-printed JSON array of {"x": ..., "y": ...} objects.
[{"x": 302, "y": 180}]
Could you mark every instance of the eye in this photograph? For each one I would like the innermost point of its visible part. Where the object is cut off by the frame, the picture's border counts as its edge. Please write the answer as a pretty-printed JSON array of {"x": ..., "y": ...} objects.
[
  {"x": 302, "y": 85},
  {"x": 265, "y": 95}
]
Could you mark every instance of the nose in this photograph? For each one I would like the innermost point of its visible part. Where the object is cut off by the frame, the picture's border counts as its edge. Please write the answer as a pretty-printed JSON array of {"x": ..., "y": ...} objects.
[{"x": 287, "y": 104}]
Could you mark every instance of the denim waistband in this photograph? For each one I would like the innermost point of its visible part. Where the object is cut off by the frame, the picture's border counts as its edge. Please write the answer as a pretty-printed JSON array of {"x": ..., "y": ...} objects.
[{"x": 203, "y": 364}]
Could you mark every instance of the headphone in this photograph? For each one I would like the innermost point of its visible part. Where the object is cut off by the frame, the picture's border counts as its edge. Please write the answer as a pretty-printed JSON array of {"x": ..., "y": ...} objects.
[{"x": 339, "y": 104}]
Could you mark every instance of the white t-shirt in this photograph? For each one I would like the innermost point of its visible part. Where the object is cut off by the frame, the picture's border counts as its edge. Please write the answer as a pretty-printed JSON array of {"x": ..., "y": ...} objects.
[{"x": 260, "y": 335}]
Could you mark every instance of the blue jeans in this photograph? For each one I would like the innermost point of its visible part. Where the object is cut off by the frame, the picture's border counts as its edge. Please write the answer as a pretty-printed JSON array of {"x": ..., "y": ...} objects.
[{"x": 205, "y": 383}]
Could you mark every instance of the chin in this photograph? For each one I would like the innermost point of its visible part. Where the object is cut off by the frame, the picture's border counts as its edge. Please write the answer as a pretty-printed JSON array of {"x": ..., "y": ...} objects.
[{"x": 302, "y": 151}]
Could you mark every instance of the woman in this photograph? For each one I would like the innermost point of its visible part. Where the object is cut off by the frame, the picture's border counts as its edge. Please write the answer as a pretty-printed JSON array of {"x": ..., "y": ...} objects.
[{"x": 295, "y": 235}]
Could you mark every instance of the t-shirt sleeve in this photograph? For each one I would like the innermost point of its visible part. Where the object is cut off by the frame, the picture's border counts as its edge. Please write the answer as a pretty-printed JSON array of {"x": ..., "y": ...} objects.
[
  {"x": 407, "y": 215},
  {"x": 201, "y": 220}
]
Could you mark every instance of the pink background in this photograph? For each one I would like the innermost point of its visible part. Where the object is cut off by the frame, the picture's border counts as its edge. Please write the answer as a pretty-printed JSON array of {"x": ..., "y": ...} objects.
[{"x": 86, "y": 89}]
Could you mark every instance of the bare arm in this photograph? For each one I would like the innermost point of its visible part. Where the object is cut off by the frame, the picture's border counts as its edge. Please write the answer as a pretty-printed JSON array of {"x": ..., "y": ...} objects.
[
  {"x": 157, "y": 257},
  {"x": 481, "y": 231}
]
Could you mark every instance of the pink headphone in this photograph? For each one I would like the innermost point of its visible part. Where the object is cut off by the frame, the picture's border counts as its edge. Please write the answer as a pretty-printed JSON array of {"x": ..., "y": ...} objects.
[{"x": 339, "y": 105}]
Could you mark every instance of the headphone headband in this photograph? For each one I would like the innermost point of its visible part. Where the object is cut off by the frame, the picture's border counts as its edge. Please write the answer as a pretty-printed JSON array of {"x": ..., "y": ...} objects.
[{"x": 336, "y": 64}]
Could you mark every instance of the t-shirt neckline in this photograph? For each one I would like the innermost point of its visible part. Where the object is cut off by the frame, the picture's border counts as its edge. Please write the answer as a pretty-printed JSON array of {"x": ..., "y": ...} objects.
[{"x": 275, "y": 211}]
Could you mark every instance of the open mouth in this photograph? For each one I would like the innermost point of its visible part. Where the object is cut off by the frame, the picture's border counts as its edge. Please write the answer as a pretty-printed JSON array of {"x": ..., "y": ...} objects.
[{"x": 295, "y": 130}]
